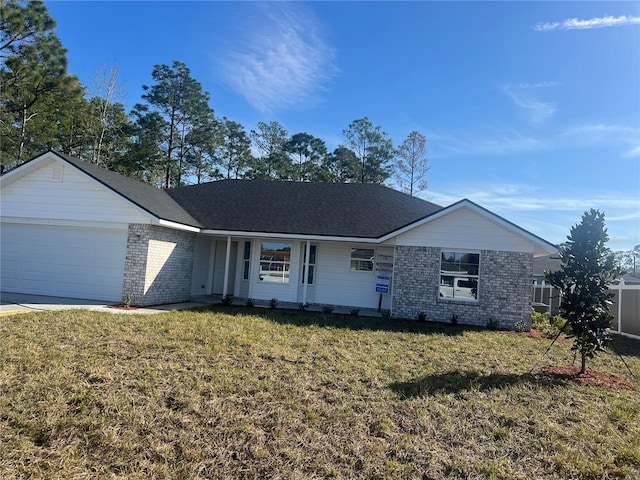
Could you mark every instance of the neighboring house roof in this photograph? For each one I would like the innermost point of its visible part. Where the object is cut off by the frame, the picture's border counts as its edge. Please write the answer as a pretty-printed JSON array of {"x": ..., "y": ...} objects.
[
  {"x": 305, "y": 208},
  {"x": 628, "y": 280},
  {"x": 552, "y": 263},
  {"x": 546, "y": 263}
]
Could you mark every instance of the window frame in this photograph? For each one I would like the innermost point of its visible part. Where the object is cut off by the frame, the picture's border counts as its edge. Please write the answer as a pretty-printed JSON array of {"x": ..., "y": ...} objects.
[
  {"x": 313, "y": 255},
  {"x": 361, "y": 260},
  {"x": 459, "y": 275},
  {"x": 286, "y": 264},
  {"x": 246, "y": 260}
]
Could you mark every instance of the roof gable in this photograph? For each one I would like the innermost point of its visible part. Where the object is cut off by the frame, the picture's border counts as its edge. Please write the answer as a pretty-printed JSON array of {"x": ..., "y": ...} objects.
[
  {"x": 146, "y": 197},
  {"x": 51, "y": 189},
  {"x": 478, "y": 228}
]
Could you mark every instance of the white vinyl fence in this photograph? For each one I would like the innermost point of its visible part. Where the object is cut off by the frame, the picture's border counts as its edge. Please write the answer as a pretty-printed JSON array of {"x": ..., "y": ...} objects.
[
  {"x": 626, "y": 309},
  {"x": 625, "y": 306}
]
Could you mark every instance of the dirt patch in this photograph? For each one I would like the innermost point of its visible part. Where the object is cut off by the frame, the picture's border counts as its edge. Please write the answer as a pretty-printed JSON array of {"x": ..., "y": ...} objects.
[
  {"x": 590, "y": 377},
  {"x": 122, "y": 307},
  {"x": 534, "y": 333}
]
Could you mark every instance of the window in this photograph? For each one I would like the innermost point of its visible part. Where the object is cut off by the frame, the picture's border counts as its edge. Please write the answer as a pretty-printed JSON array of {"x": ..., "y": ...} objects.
[
  {"x": 275, "y": 262},
  {"x": 312, "y": 263},
  {"x": 246, "y": 259},
  {"x": 459, "y": 273},
  {"x": 362, "y": 259}
]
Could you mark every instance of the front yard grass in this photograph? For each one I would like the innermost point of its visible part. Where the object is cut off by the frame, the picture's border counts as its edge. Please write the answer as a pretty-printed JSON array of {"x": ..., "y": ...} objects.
[{"x": 244, "y": 393}]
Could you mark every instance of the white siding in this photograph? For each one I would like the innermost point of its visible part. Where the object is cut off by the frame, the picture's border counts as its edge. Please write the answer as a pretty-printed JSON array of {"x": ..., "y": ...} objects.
[
  {"x": 336, "y": 284},
  {"x": 202, "y": 265},
  {"x": 465, "y": 229},
  {"x": 62, "y": 261},
  {"x": 219, "y": 264},
  {"x": 284, "y": 292},
  {"x": 40, "y": 194}
]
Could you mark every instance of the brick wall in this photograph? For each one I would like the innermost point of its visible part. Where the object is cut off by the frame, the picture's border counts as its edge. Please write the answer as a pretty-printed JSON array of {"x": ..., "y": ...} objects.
[
  {"x": 158, "y": 265},
  {"x": 504, "y": 288}
]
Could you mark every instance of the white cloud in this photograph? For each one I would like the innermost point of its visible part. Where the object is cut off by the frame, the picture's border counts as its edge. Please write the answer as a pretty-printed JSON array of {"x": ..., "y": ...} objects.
[
  {"x": 507, "y": 141},
  {"x": 623, "y": 218},
  {"x": 593, "y": 134},
  {"x": 526, "y": 198},
  {"x": 534, "y": 85},
  {"x": 597, "y": 22},
  {"x": 634, "y": 152},
  {"x": 523, "y": 97},
  {"x": 283, "y": 61}
]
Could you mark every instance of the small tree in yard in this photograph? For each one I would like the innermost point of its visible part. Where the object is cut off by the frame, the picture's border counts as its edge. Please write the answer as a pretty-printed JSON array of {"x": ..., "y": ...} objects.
[{"x": 587, "y": 267}]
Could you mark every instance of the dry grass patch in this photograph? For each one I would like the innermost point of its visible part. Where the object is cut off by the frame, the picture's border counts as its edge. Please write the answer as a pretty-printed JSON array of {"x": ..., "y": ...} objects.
[{"x": 237, "y": 393}]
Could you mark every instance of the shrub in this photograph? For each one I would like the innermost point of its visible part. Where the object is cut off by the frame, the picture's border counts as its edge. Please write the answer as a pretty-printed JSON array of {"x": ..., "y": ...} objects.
[
  {"x": 454, "y": 319},
  {"x": 126, "y": 300},
  {"x": 539, "y": 321},
  {"x": 273, "y": 303},
  {"x": 327, "y": 309},
  {"x": 558, "y": 322},
  {"x": 549, "y": 325},
  {"x": 422, "y": 317},
  {"x": 493, "y": 324},
  {"x": 249, "y": 302}
]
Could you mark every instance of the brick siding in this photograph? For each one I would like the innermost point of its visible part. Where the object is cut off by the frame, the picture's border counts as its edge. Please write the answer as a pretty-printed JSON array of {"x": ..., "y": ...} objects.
[
  {"x": 158, "y": 265},
  {"x": 504, "y": 288}
]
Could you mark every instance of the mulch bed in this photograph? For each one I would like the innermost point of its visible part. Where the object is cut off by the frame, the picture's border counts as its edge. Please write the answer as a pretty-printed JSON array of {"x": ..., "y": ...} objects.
[
  {"x": 122, "y": 307},
  {"x": 533, "y": 333},
  {"x": 590, "y": 377},
  {"x": 572, "y": 374}
]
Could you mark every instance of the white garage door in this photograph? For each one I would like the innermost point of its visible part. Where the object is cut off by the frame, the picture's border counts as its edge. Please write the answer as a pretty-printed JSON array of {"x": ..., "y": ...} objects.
[{"x": 70, "y": 262}]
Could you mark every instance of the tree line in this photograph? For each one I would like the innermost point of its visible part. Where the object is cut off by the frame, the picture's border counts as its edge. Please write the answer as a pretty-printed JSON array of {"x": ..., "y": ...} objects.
[{"x": 172, "y": 137}]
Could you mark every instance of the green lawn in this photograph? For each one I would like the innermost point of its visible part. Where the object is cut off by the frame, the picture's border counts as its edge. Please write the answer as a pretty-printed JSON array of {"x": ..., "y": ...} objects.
[{"x": 266, "y": 394}]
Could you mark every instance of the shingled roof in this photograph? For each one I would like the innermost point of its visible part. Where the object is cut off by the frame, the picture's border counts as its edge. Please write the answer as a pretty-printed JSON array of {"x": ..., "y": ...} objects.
[
  {"x": 304, "y": 208},
  {"x": 350, "y": 210}
]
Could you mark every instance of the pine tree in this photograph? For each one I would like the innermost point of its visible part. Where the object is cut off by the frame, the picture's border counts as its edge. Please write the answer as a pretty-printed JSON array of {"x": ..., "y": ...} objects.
[
  {"x": 373, "y": 149},
  {"x": 181, "y": 104},
  {"x": 411, "y": 164}
]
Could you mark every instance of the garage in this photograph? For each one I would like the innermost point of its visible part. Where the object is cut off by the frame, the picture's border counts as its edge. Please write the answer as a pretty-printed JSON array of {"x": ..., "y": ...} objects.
[{"x": 74, "y": 262}]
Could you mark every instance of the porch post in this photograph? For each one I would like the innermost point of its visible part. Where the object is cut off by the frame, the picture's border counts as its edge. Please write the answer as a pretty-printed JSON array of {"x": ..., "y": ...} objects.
[
  {"x": 307, "y": 256},
  {"x": 226, "y": 268}
]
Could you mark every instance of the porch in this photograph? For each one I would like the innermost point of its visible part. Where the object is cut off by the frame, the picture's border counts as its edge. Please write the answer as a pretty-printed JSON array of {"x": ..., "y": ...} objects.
[{"x": 283, "y": 305}]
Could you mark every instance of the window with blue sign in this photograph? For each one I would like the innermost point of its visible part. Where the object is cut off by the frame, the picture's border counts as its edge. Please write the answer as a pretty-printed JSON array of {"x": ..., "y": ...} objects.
[{"x": 362, "y": 259}]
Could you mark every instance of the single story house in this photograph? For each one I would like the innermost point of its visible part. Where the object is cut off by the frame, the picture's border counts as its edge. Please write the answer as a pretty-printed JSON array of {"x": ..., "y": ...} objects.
[{"x": 70, "y": 228}]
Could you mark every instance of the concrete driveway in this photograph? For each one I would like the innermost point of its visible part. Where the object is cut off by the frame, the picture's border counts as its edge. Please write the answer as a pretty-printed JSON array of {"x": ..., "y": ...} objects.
[{"x": 11, "y": 303}]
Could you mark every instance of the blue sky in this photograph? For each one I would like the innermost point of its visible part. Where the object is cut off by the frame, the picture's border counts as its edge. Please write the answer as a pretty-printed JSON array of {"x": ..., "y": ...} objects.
[{"x": 531, "y": 109}]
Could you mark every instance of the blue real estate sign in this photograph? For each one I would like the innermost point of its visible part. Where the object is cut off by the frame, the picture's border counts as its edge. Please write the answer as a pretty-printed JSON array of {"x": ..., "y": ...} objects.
[
  {"x": 384, "y": 271},
  {"x": 383, "y": 283}
]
